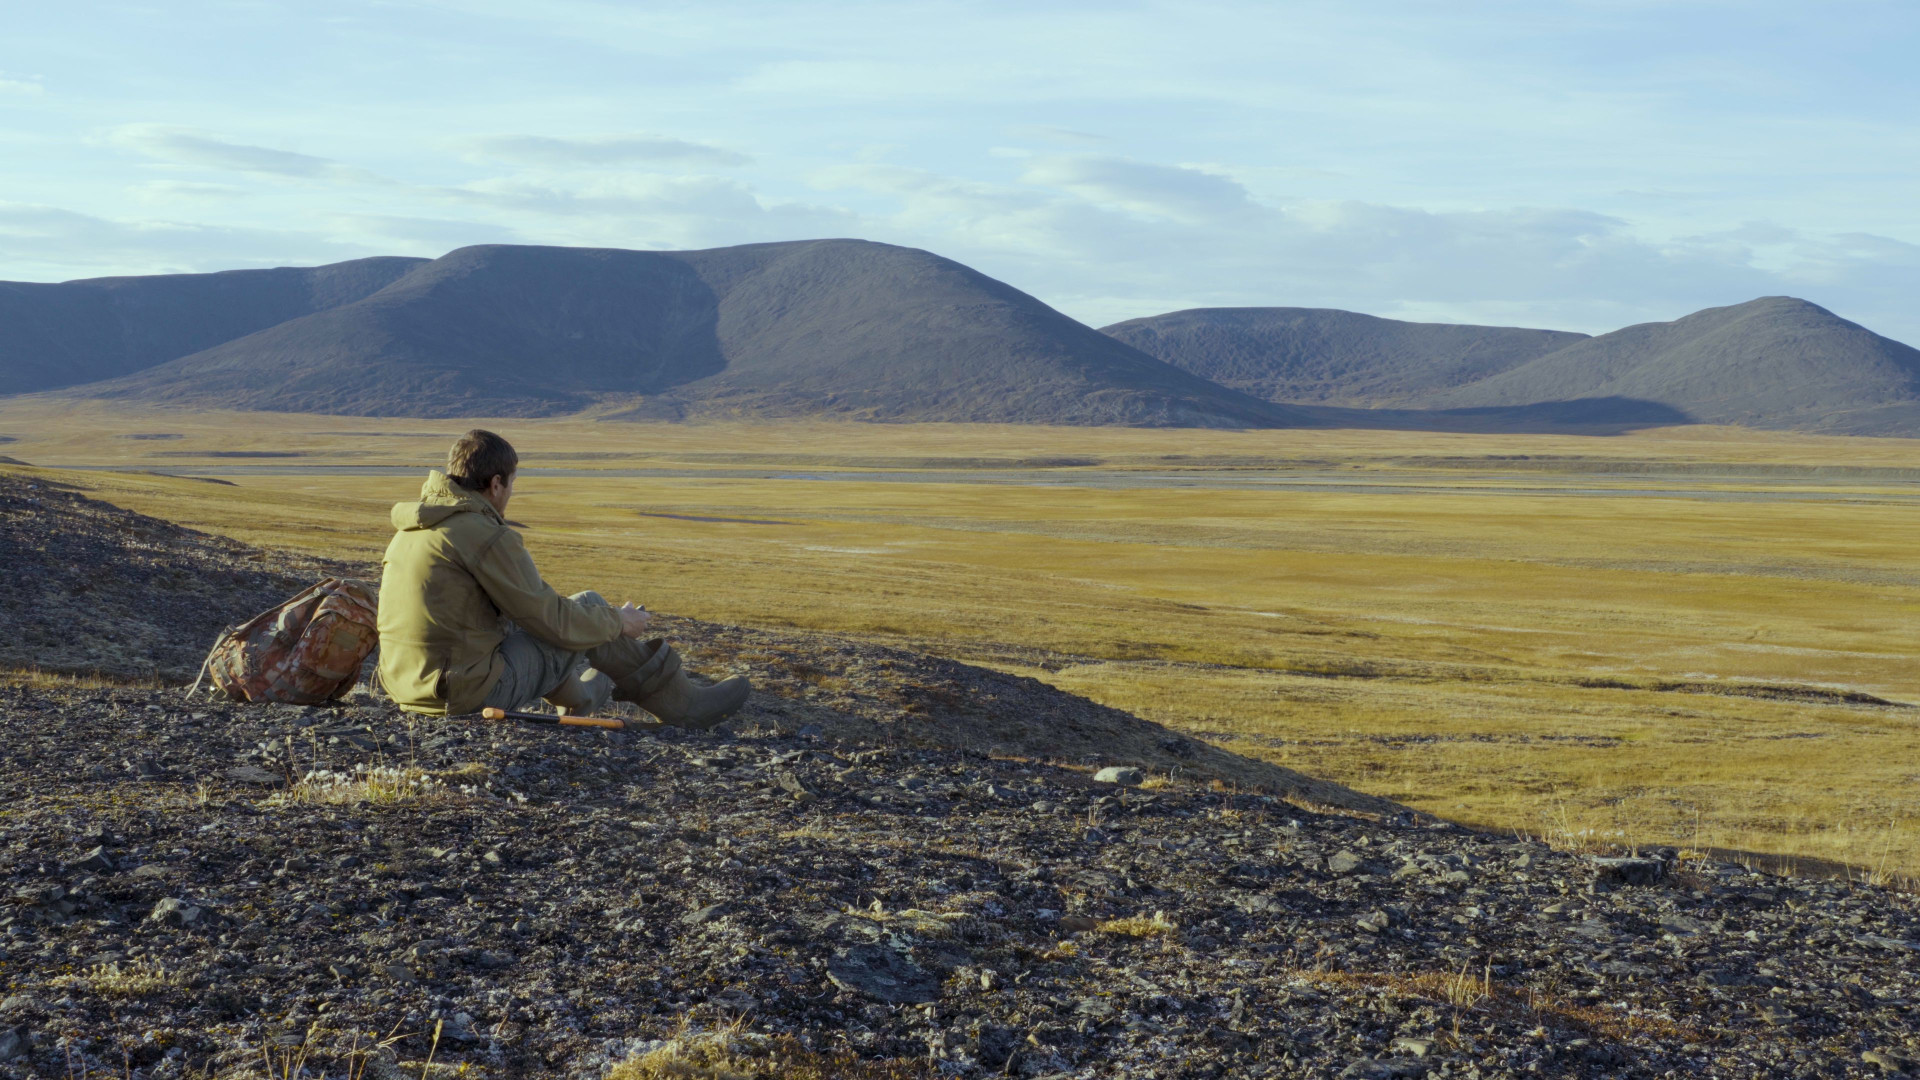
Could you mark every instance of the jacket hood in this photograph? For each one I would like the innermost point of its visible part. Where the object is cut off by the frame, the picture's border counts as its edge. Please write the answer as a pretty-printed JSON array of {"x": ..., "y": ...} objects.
[{"x": 440, "y": 499}]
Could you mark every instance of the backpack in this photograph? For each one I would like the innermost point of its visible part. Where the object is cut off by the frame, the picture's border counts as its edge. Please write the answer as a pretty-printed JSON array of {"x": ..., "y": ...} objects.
[{"x": 305, "y": 651}]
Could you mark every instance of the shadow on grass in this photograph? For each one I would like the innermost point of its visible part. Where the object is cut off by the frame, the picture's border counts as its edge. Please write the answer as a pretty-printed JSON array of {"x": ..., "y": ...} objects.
[{"x": 1581, "y": 416}]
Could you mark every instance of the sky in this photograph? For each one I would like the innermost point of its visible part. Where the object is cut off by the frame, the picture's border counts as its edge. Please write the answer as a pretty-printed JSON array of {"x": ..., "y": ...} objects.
[{"x": 1580, "y": 166}]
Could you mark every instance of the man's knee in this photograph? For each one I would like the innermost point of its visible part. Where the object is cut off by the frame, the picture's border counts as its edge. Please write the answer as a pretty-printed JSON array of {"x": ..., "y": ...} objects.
[{"x": 591, "y": 599}]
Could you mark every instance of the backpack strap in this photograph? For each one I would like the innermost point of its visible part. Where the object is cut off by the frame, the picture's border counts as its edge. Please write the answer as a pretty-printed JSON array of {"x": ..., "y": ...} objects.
[{"x": 208, "y": 662}]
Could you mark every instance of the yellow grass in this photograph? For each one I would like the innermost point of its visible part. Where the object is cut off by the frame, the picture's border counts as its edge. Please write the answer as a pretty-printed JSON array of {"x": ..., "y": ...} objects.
[
  {"x": 129, "y": 980},
  {"x": 1469, "y": 991},
  {"x": 739, "y": 1055},
  {"x": 1565, "y": 644},
  {"x": 1141, "y": 926}
]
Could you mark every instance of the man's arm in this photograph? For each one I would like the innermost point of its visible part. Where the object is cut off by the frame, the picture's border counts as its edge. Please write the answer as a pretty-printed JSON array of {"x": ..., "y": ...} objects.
[{"x": 507, "y": 574}]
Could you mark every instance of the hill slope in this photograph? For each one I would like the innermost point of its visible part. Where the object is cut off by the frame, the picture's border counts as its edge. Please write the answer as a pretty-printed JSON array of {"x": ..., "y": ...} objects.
[
  {"x": 1774, "y": 362},
  {"x": 94, "y": 589},
  {"x": 836, "y": 327},
  {"x": 55, "y": 335},
  {"x": 1319, "y": 356}
]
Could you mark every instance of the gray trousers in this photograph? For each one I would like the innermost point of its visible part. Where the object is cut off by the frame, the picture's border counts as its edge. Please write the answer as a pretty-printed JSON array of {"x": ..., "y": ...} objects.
[{"x": 536, "y": 670}]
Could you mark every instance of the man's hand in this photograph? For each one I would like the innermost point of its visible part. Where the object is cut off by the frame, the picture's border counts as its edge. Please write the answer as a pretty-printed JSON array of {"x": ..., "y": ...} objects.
[{"x": 633, "y": 620}]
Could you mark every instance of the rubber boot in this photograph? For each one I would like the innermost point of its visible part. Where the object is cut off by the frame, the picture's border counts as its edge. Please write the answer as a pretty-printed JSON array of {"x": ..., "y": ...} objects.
[{"x": 648, "y": 674}]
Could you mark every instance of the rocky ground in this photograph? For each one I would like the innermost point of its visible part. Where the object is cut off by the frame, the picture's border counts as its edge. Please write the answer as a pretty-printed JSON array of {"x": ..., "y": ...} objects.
[
  {"x": 890, "y": 866},
  {"x": 88, "y": 587},
  {"x": 554, "y": 902}
]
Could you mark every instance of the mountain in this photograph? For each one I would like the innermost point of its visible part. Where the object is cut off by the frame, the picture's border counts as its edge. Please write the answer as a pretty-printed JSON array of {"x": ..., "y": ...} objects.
[
  {"x": 1775, "y": 362},
  {"x": 842, "y": 328},
  {"x": 858, "y": 330},
  {"x": 55, "y": 335},
  {"x": 1325, "y": 357}
]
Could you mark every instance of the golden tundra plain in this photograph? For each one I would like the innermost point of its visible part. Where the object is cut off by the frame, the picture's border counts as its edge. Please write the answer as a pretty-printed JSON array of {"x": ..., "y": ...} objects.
[{"x": 1701, "y": 637}]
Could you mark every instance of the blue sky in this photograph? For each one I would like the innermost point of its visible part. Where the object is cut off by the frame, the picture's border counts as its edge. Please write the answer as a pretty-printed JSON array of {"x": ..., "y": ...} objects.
[{"x": 1571, "y": 165}]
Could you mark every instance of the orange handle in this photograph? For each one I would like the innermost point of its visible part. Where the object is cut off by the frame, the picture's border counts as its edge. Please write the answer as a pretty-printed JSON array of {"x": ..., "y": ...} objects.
[{"x": 549, "y": 718}]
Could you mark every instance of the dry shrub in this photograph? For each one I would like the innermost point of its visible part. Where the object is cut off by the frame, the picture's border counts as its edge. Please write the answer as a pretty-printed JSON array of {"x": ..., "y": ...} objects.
[
  {"x": 382, "y": 785},
  {"x": 1467, "y": 990},
  {"x": 1141, "y": 926},
  {"x": 730, "y": 1055},
  {"x": 137, "y": 979},
  {"x": 917, "y": 921}
]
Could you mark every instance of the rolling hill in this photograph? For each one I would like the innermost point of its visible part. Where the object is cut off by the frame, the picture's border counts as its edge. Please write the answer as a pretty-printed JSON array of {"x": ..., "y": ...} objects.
[
  {"x": 843, "y": 328},
  {"x": 75, "y": 332},
  {"x": 1320, "y": 356},
  {"x": 857, "y": 330},
  {"x": 1775, "y": 362}
]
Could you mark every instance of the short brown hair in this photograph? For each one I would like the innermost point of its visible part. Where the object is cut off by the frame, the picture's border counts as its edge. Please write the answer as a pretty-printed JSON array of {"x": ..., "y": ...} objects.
[{"x": 478, "y": 457}]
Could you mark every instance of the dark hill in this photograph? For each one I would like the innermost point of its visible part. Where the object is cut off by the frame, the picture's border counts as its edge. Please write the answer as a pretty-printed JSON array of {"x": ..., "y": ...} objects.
[
  {"x": 1775, "y": 362},
  {"x": 1318, "y": 356},
  {"x": 74, "y": 332},
  {"x": 826, "y": 327}
]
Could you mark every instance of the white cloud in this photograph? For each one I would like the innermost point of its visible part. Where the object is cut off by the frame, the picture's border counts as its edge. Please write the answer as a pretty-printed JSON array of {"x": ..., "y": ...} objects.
[
  {"x": 601, "y": 151},
  {"x": 1106, "y": 239},
  {"x": 166, "y": 191},
  {"x": 187, "y": 146},
  {"x": 645, "y": 210},
  {"x": 428, "y": 236},
  {"x": 1169, "y": 191},
  {"x": 22, "y": 85},
  {"x": 50, "y": 243}
]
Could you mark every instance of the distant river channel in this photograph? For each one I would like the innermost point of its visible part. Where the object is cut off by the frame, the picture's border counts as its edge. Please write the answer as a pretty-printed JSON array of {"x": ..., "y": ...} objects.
[{"x": 1700, "y": 487}]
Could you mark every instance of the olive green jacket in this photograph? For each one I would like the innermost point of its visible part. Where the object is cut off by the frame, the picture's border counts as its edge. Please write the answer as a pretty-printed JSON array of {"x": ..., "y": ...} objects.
[{"x": 453, "y": 573}]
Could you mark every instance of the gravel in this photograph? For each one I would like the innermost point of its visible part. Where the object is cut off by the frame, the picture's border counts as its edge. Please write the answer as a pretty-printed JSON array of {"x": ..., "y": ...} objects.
[{"x": 554, "y": 900}]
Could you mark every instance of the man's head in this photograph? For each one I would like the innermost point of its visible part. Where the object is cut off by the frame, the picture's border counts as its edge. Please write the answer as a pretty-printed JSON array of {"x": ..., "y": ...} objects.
[{"x": 484, "y": 463}]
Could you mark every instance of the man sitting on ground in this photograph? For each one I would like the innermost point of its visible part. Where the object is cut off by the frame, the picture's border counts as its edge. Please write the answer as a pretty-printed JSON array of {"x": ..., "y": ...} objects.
[{"x": 466, "y": 622}]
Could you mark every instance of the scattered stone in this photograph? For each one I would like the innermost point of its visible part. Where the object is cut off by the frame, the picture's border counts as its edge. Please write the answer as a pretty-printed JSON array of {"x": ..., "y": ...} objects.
[
  {"x": 1124, "y": 775},
  {"x": 254, "y": 774},
  {"x": 702, "y": 916},
  {"x": 1345, "y": 862},
  {"x": 883, "y": 974},
  {"x": 93, "y": 862},
  {"x": 1682, "y": 925},
  {"x": 15, "y": 1042},
  {"x": 1384, "y": 1069},
  {"x": 791, "y": 783},
  {"x": 174, "y": 912},
  {"x": 1628, "y": 871},
  {"x": 1888, "y": 1060},
  {"x": 1418, "y": 1048}
]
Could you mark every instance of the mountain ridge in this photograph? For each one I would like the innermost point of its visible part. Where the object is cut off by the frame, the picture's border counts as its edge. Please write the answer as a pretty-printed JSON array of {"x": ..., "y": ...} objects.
[
  {"x": 60, "y": 334},
  {"x": 856, "y": 330},
  {"x": 1775, "y": 361},
  {"x": 1325, "y": 356},
  {"x": 844, "y": 328}
]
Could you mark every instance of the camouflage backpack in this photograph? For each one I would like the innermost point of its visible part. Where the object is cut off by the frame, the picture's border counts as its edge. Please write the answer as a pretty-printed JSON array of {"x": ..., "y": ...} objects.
[{"x": 304, "y": 652}]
